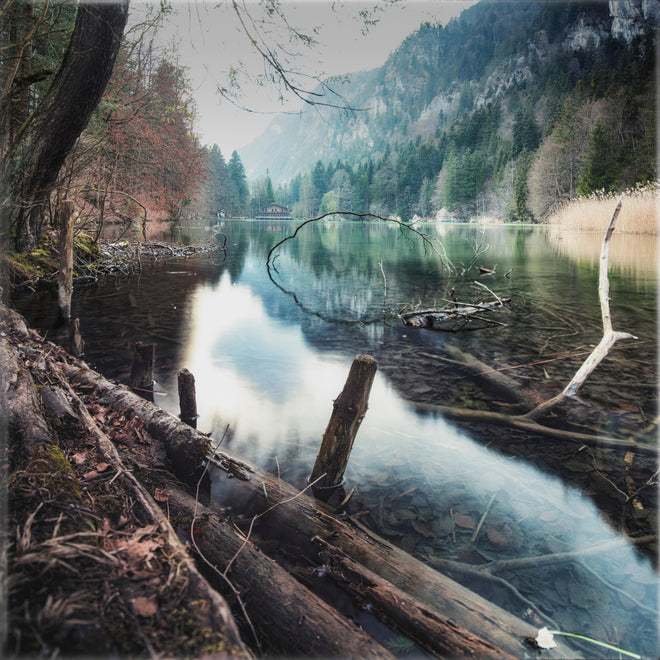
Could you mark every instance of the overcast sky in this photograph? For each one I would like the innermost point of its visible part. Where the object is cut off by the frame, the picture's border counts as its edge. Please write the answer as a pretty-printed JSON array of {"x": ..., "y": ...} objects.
[{"x": 210, "y": 42}]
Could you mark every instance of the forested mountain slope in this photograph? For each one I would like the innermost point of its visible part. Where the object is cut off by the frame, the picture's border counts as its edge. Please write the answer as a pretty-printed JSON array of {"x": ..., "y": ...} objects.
[{"x": 463, "y": 117}]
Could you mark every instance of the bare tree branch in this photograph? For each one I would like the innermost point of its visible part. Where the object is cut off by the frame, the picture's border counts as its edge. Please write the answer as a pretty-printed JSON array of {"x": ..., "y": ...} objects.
[{"x": 610, "y": 337}]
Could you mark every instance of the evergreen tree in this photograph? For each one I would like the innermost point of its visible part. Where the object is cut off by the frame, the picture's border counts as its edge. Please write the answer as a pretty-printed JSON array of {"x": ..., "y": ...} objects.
[
  {"x": 239, "y": 194},
  {"x": 600, "y": 171},
  {"x": 269, "y": 195},
  {"x": 526, "y": 133},
  {"x": 520, "y": 190}
]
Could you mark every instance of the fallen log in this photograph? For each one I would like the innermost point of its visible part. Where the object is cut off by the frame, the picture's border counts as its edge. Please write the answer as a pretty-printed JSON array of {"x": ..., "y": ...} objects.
[
  {"x": 186, "y": 448},
  {"x": 18, "y": 394},
  {"x": 74, "y": 617},
  {"x": 431, "y": 631},
  {"x": 211, "y": 609},
  {"x": 291, "y": 619}
]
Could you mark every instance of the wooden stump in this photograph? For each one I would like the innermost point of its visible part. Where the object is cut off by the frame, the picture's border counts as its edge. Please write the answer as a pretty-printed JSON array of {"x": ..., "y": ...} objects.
[
  {"x": 142, "y": 369},
  {"x": 187, "y": 398},
  {"x": 76, "y": 342},
  {"x": 347, "y": 415},
  {"x": 65, "y": 278}
]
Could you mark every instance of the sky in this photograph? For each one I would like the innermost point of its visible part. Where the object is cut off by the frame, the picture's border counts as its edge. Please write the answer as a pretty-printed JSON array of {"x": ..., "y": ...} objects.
[{"x": 213, "y": 46}]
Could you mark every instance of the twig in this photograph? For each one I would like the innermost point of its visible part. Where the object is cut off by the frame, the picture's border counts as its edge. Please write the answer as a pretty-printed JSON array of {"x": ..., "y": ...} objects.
[
  {"x": 263, "y": 513},
  {"x": 499, "y": 300},
  {"x": 223, "y": 575},
  {"x": 559, "y": 557},
  {"x": 481, "y": 522},
  {"x": 609, "y": 585}
]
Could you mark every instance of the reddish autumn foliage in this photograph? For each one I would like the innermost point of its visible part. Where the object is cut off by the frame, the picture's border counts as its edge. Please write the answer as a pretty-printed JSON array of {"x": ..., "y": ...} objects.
[{"x": 139, "y": 154}]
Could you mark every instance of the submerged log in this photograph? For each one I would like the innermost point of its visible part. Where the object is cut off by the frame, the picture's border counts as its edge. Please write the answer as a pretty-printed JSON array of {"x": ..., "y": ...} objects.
[
  {"x": 303, "y": 520},
  {"x": 431, "y": 631}
]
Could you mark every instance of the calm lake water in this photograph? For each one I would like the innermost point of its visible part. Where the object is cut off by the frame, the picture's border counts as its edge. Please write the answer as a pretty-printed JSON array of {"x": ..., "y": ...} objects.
[{"x": 270, "y": 354}]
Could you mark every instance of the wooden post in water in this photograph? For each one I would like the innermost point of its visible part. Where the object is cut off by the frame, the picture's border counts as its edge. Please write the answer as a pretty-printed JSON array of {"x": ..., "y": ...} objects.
[
  {"x": 347, "y": 415},
  {"x": 142, "y": 369},
  {"x": 187, "y": 397},
  {"x": 76, "y": 342},
  {"x": 66, "y": 213}
]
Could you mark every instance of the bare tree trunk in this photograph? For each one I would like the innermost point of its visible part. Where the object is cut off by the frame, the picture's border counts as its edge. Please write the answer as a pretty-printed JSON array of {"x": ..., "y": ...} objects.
[{"x": 30, "y": 168}]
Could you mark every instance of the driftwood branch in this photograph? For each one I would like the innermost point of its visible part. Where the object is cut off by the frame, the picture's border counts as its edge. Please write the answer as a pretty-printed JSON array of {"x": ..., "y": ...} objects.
[
  {"x": 610, "y": 336},
  {"x": 523, "y": 423},
  {"x": 528, "y": 421}
]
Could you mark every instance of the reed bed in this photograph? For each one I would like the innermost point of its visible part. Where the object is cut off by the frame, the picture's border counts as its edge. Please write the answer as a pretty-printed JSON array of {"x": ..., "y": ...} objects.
[{"x": 639, "y": 212}]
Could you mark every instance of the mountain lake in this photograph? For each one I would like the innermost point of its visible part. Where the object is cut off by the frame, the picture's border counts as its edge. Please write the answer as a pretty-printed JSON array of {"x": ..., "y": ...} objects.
[{"x": 271, "y": 350}]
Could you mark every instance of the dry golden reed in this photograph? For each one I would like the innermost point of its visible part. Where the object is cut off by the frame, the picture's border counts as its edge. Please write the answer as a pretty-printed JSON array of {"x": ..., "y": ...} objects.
[{"x": 639, "y": 212}]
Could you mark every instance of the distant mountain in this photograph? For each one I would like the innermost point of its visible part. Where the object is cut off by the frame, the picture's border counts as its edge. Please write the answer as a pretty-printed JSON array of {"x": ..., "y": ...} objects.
[
  {"x": 438, "y": 73},
  {"x": 475, "y": 94}
]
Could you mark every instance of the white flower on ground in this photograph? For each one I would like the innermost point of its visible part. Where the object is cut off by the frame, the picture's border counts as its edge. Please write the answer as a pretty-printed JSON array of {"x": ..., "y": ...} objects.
[{"x": 545, "y": 640}]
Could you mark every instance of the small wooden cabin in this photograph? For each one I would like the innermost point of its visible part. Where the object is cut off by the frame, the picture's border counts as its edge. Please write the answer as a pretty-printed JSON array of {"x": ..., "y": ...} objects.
[{"x": 271, "y": 211}]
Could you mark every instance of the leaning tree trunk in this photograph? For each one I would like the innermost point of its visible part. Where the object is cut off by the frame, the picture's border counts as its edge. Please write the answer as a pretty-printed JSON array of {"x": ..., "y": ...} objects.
[{"x": 32, "y": 164}]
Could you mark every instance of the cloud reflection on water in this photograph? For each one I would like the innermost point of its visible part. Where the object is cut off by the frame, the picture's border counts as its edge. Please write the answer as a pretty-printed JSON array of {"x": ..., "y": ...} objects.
[{"x": 259, "y": 375}]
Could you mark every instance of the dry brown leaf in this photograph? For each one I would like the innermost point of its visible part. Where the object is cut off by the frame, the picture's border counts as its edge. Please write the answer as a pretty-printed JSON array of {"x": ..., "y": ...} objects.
[
  {"x": 138, "y": 552},
  {"x": 161, "y": 495},
  {"x": 423, "y": 529},
  {"x": 144, "y": 606},
  {"x": 79, "y": 457},
  {"x": 466, "y": 522},
  {"x": 102, "y": 467},
  {"x": 500, "y": 534},
  {"x": 141, "y": 532}
]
